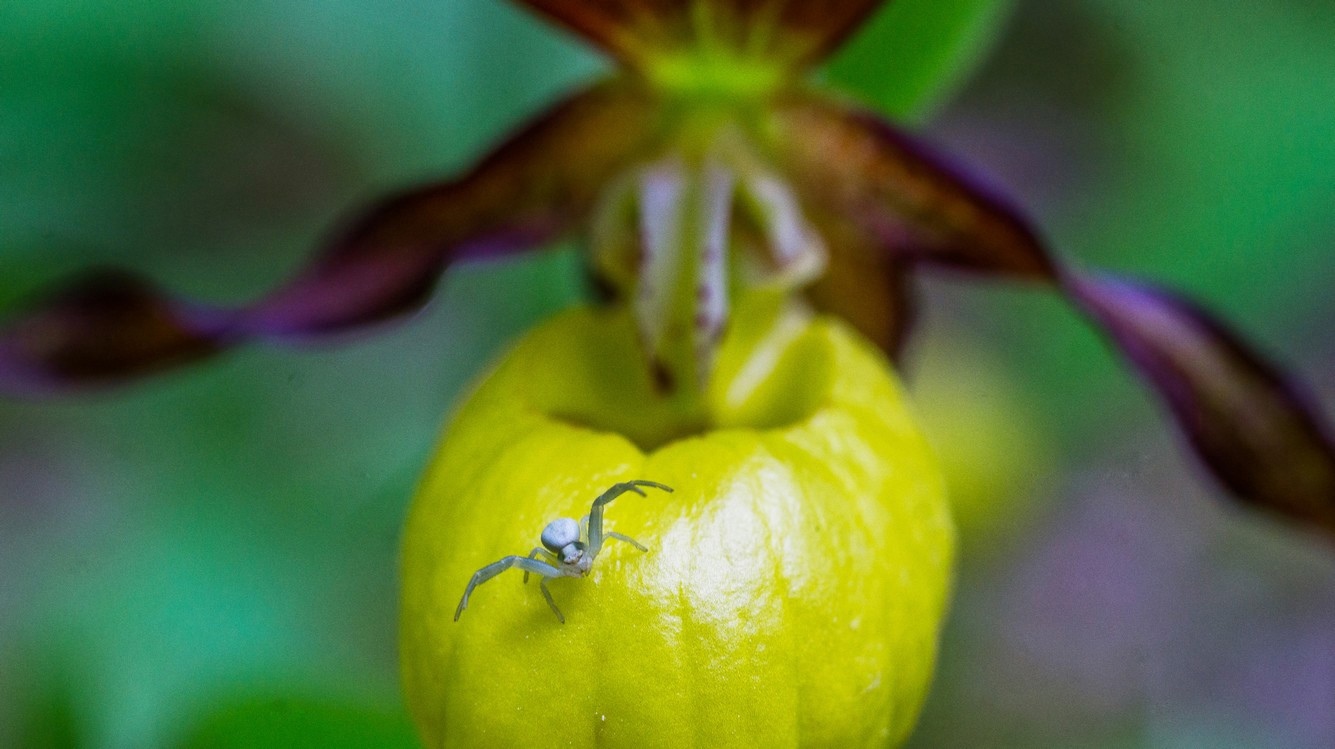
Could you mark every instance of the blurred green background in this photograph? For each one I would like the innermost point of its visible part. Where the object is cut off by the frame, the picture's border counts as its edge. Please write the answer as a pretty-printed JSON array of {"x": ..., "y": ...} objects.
[{"x": 208, "y": 559}]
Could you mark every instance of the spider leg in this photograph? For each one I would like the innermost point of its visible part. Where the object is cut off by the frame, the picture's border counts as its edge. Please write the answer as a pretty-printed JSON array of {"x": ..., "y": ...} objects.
[
  {"x": 550, "y": 601},
  {"x": 546, "y": 555},
  {"x": 616, "y": 490},
  {"x": 627, "y": 539},
  {"x": 596, "y": 511},
  {"x": 496, "y": 568}
]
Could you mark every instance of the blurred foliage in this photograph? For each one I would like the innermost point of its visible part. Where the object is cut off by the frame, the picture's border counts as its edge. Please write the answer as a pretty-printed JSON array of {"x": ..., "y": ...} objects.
[
  {"x": 995, "y": 459},
  {"x": 286, "y": 723},
  {"x": 1170, "y": 142},
  {"x": 911, "y": 56},
  {"x": 200, "y": 555}
]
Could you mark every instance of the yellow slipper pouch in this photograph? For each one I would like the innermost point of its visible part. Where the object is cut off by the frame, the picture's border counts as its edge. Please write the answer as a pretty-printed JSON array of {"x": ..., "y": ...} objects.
[{"x": 795, "y": 583}]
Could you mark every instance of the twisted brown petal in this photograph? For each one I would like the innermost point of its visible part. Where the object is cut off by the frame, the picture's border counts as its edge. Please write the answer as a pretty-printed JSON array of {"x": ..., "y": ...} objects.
[
  {"x": 854, "y": 164},
  {"x": 535, "y": 187},
  {"x": 627, "y": 29},
  {"x": 795, "y": 32},
  {"x": 1257, "y": 430},
  {"x": 817, "y": 29},
  {"x": 103, "y": 325},
  {"x": 1249, "y": 424},
  {"x": 873, "y": 292}
]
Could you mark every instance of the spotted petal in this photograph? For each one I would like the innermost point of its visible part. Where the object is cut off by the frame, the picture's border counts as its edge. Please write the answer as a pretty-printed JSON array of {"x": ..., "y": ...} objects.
[
  {"x": 795, "y": 32},
  {"x": 537, "y": 186},
  {"x": 1254, "y": 427}
]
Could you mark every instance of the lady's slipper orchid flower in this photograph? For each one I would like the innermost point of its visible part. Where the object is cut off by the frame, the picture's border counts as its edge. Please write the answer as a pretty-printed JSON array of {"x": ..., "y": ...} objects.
[
  {"x": 708, "y": 163},
  {"x": 794, "y": 583}
]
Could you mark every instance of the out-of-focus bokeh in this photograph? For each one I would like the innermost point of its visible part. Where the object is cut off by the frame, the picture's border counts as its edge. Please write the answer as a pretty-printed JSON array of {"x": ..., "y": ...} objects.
[{"x": 208, "y": 559}]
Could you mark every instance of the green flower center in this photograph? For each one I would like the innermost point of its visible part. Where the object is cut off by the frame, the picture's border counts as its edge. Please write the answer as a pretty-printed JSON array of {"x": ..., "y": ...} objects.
[
  {"x": 682, "y": 235},
  {"x": 703, "y": 75}
]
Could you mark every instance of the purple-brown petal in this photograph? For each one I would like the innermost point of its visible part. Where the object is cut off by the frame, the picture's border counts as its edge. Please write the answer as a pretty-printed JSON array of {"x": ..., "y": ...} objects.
[
  {"x": 875, "y": 292},
  {"x": 910, "y": 200},
  {"x": 626, "y": 29},
  {"x": 103, "y": 326},
  {"x": 535, "y": 187},
  {"x": 1249, "y": 424},
  {"x": 818, "y": 29},
  {"x": 792, "y": 32},
  {"x": 1253, "y": 427},
  {"x": 540, "y": 184}
]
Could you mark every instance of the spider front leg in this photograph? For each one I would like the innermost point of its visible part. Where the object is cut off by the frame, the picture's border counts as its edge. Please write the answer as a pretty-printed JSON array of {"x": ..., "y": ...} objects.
[
  {"x": 595, "y": 523},
  {"x": 496, "y": 568},
  {"x": 584, "y": 528},
  {"x": 538, "y": 551}
]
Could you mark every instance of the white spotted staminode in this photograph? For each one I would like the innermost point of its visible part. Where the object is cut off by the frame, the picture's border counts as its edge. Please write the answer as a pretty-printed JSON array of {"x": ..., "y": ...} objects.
[{"x": 568, "y": 548}]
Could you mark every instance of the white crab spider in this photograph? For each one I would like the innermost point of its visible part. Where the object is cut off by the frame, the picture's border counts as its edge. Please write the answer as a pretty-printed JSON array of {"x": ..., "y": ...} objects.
[{"x": 565, "y": 554}]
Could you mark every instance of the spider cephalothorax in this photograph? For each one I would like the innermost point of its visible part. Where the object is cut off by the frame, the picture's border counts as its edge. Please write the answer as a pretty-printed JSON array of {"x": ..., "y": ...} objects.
[{"x": 568, "y": 548}]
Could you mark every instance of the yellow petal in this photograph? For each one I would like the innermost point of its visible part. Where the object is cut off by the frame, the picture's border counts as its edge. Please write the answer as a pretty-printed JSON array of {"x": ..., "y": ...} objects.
[{"x": 795, "y": 581}]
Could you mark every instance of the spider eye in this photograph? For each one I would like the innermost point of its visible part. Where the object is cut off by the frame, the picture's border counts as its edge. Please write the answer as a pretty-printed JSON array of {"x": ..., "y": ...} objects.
[{"x": 559, "y": 534}]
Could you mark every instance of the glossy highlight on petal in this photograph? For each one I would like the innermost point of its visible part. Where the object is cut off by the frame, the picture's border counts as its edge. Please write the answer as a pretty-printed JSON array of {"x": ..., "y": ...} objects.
[
  {"x": 1254, "y": 428},
  {"x": 537, "y": 186},
  {"x": 908, "y": 200}
]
